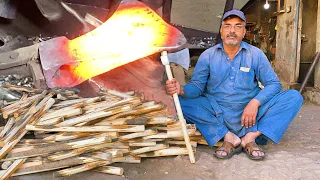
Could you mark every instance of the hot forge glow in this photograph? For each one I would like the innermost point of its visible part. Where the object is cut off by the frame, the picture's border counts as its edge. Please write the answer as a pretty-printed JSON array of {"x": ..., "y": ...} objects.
[{"x": 134, "y": 31}]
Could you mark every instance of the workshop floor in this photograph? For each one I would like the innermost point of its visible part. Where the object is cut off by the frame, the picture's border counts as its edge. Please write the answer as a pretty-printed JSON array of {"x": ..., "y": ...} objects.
[{"x": 296, "y": 157}]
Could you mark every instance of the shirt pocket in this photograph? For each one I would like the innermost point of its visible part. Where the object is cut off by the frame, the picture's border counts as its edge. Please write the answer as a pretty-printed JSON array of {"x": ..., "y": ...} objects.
[{"x": 245, "y": 80}]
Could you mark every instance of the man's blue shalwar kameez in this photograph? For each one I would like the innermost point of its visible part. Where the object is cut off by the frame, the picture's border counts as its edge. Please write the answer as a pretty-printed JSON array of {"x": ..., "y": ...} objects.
[{"x": 220, "y": 89}]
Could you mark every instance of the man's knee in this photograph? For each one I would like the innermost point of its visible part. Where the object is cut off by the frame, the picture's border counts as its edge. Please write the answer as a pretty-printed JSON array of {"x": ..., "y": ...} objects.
[{"x": 293, "y": 96}]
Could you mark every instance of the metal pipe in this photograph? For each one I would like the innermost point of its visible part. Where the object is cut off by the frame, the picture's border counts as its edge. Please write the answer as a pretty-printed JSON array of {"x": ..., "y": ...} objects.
[
  {"x": 295, "y": 33},
  {"x": 228, "y": 6},
  {"x": 315, "y": 61}
]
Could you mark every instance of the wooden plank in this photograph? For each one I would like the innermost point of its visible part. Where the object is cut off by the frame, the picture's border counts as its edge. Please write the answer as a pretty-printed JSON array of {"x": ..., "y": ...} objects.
[
  {"x": 15, "y": 165},
  {"x": 138, "y": 134},
  {"x": 80, "y": 168},
  {"x": 120, "y": 128},
  {"x": 7, "y": 127},
  {"x": 148, "y": 149},
  {"x": 49, "y": 166},
  {"x": 109, "y": 170},
  {"x": 56, "y": 147},
  {"x": 172, "y": 151},
  {"x": 93, "y": 116},
  {"x": 142, "y": 144}
]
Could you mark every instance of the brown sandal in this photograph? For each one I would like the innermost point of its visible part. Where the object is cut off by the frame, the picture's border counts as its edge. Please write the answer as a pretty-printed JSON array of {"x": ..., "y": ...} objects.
[
  {"x": 252, "y": 146},
  {"x": 229, "y": 149}
]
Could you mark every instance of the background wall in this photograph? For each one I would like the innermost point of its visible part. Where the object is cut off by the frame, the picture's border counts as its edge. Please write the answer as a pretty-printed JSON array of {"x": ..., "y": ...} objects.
[{"x": 200, "y": 14}]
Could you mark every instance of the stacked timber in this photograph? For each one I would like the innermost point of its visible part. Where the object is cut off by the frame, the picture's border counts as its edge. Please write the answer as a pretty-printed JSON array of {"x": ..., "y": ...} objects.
[{"x": 72, "y": 134}]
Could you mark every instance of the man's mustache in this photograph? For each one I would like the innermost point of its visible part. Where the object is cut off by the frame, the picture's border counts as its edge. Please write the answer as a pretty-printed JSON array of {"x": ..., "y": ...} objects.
[{"x": 232, "y": 35}]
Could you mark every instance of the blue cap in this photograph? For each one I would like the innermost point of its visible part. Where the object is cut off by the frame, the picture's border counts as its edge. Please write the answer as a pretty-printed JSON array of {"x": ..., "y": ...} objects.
[{"x": 234, "y": 12}]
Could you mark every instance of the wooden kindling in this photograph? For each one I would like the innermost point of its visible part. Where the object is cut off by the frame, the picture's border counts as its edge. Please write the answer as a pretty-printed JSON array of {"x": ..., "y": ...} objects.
[
  {"x": 55, "y": 147},
  {"x": 109, "y": 170},
  {"x": 119, "y": 128}
]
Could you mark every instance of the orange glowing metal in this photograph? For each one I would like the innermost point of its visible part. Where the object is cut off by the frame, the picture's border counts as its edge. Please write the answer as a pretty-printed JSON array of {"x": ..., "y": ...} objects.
[{"x": 134, "y": 31}]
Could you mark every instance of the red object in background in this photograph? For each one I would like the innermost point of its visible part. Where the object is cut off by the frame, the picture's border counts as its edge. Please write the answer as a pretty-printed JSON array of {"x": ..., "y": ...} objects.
[{"x": 134, "y": 31}]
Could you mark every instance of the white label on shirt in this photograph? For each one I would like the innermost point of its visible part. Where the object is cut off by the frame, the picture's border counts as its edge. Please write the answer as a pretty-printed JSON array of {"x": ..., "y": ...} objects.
[{"x": 244, "y": 69}]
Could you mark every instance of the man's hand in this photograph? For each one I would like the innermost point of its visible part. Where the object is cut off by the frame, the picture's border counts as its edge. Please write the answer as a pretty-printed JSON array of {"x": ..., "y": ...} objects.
[
  {"x": 249, "y": 114},
  {"x": 173, "y": 86}
]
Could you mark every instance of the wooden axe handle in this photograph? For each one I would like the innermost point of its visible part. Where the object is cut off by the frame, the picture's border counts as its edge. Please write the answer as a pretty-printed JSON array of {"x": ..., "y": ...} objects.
[{"x": 165, "y": 62}]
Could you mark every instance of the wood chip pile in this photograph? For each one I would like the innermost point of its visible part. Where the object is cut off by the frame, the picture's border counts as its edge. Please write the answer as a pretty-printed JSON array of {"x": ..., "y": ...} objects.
[{"x": 58, "y": 130}]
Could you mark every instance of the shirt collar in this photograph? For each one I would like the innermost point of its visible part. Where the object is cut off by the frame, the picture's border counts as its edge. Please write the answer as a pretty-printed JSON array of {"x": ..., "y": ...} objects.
[{"x": 243, "y": 45}]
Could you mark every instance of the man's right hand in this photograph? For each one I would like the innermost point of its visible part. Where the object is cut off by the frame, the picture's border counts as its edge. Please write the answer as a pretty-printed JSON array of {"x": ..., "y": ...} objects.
[{"x": 173, "y": 86}]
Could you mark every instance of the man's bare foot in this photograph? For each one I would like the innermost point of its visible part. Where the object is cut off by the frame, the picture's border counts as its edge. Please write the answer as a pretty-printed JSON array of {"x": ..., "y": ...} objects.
[
  {"x": 231, "y": 138},
  {"x": 248, "y": 142}
]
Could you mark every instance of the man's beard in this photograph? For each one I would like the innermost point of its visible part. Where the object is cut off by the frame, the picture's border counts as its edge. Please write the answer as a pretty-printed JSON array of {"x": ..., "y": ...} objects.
[{"x": 232, "y": 42}]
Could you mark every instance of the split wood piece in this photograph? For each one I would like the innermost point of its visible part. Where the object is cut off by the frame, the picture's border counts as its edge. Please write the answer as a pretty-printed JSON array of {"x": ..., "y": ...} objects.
[
  {"x": 142, "y": 144},
  {"x": 21, "y": 88},
  {"x": 5, "y": 165},
  {"x": 93, "y": 116},
  {"x": 76, "y": 152},
  {"x": 136, "y": 140},
  {"x": 75, "y": 135},
  {"x": 103, "y": 105},
  {"x": 109, "y": 170},
  {"x": 127, "y": 159},
  {"x": 148, "y": 149},
  {"x": 55, "y": 147},
  {"x": 67, "y": 112},
  {"x": 99, "y": 104},
  {"x": 138, "y": 111},
  {"x": 30, "y": 164},
  {"x": 138, "y": 134},
  {"x": 160, "y": 120},
  {"x": 8, "y": 146},
  {"x": 15, "y": 165},
  {"x": 179, "y": 133},
  {"x": 41, "y": 103},
  {"x": 102, "y": 156},
  {"x": 119, "y": 145},
  {"x": 172, "y": 151},
  {"x": 49, "y": 166},
  {"x": 48, "y": 122},
  {"x": 19, "y": 104},
  {"x": 120, "y": 128},
  {"x": 118, "y": 94},
  {"x": 55, "y": 108},
  {"x": 42, "y": 110},
  {"x": 80, "y": 168},
  {"x": 7, "y": 127},
  {"x": 123, "y": 121},
  {"x": 181, "y": 143},
  {"x": 61, "y": 97},
  {"x": 113, "y": 152},
  {"x": 34, "y": 141},
  {"x": 156, "y": 136},
  {"x": 20, "y": 112},
  {"x": 188, "y": 126},
  {"x": 19, "y": 109},
  {"x": 163, "y": 112},
  {"x": 146, "y": 104},
  {"x": 26, "y": 119},
  {"x": 71, "y": 102}
]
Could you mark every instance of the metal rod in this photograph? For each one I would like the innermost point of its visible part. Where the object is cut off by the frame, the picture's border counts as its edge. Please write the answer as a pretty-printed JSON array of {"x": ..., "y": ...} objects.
[{"x": 315, "y": 61}]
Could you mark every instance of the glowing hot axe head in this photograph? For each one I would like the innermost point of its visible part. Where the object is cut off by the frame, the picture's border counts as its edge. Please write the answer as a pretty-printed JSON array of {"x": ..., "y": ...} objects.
[{"x": 134, "y": 31}]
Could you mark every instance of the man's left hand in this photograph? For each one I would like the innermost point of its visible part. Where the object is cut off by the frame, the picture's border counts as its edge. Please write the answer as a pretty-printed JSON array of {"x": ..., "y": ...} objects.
[{"x": 249, "y": 114}]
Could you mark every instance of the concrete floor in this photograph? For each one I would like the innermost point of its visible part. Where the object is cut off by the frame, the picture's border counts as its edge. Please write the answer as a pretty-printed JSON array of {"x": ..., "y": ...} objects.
[{"x": 296, "y": 157}]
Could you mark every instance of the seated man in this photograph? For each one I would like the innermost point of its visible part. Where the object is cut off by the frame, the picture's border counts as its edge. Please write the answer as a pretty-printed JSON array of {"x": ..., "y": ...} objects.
[{"x": 224, "y": 100}]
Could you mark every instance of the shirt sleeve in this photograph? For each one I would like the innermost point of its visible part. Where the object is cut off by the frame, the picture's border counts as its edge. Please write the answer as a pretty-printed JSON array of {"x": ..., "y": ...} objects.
[
  {"x": 199, "y": 79},
  {"x": 268, "y": 78}
]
